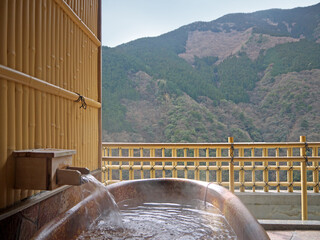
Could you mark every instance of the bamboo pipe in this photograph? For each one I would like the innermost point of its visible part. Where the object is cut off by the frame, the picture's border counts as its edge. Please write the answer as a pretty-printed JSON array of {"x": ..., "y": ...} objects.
[
  {"x": 59, "y": 46},
  {"x": 219, "y": 174},
  {"x": 241, "y": 172},
  {"x": 44, "y": 50},
  {"x": 77, "y": 133},
  {"x": 38, "y": 84},
  {"x": 54, "y": 74},
  {"x": 38, "y": 73},
  {"x": 92, "y": 70},
  {"x": 91, "y": 11},
  {"x": 65, "y": 68},
  {"x": 62, "y": 143},
  {"x": 84, "y": 138},
  {"x": 82, "y": 51},
  {"x": 278, "y": 171},
  {"x": 26, "y": 37},
  {"x": 11, "y": 102},
  {"x": 66, "y": 32},
  {"x": 49, "y": 74},
  {"x": 231, "y": 167},
  {"x": 18, "y": 33},
  {"x": 3, "y": 140},
  {"x": 62, "y": 50},
  {"x": 304, "y": 201},
  {"x": 86, "y": 7},
  {"x": 81, "y": 10},
  {"x": 74, "y": 54},
  {"x": 253, "y": 173},
  {"x": 31, "y": 137},
  {"x": 43, "y": 119},
  {"x": 25, "y": 127},
  {"x": 3, "y": 31},
  {"x": 93, "y": 66},
  {"x": 92, "y": 136},
  {"x": 69, "y": 127},
  {"x": 65, "y": 123},
  {"x": 80, "y": 131},
  {"x": 57, "y": 76},
  {"x": 315, "y": 173},
  {"x": 87, "y": 62},
  {"x": 18, "y": 87},
  {"x": 290, "y": 172},
  {"x": 3, "y": 99},
  {"x": 88, "y": 161}
]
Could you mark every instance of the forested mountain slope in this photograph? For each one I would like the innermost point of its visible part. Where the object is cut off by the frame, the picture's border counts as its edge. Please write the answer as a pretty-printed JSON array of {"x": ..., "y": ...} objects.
[{"x": 252, "y": 76}]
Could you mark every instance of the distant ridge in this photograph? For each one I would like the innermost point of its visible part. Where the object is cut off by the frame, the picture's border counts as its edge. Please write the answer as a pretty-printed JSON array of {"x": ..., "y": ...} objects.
[{"x": 253, "y": 76}]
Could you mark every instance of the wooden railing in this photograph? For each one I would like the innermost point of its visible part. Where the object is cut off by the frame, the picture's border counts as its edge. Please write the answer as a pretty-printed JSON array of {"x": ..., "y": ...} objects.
[{"x": 289, "y": 166}]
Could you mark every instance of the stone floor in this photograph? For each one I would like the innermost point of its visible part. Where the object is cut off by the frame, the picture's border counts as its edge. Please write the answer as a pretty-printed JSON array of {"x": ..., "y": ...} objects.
[{"x": 294, "y": 235}]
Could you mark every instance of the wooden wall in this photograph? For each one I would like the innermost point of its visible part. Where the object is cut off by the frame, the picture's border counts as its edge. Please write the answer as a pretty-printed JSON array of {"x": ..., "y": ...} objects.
[{"x": 49, "y": 51}]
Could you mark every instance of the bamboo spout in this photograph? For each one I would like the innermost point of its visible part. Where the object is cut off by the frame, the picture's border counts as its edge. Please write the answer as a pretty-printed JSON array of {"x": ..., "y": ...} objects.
[{"x": 71, "y": 175}]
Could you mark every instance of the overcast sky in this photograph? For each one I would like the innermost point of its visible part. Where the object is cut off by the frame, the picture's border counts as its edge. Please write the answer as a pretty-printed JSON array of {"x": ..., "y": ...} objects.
[{"x": 127, "y": 20}]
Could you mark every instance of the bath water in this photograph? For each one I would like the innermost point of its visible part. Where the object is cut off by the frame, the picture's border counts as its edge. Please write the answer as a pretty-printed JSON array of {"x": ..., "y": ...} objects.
[{"x": 159, "y": 221}]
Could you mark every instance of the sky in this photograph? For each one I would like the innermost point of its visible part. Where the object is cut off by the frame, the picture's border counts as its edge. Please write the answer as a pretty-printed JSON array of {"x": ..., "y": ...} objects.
[{"x": 127, "y": 20}]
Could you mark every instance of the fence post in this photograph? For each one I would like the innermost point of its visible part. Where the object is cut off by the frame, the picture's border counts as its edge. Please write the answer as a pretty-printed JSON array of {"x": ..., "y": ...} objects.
[
  {"x": 231, "y": 165},
  {"x": 290, "y": 171},
  {"x": 130, "y": 153},
  {"x": 315, "y": 173},
  {"x": 265, "y": 171},
  {"x": 241, "y": 171},
  {"x": 303, "y": 164}
]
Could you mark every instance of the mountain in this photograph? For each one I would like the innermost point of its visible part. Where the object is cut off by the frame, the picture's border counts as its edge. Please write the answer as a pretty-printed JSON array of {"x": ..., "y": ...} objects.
[{"x": 252, "y": 76}]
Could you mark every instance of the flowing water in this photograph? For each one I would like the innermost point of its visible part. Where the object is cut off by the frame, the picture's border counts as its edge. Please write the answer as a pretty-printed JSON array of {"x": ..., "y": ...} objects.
[
  {"x": 106, "y": 207},
  {"x": 160, "y": 221}
]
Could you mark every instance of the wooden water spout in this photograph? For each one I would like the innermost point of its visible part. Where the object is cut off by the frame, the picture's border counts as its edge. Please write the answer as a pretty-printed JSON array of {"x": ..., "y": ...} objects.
[
  {"x": 46, "y": 169},
  {"x": 71, "y": 175}
]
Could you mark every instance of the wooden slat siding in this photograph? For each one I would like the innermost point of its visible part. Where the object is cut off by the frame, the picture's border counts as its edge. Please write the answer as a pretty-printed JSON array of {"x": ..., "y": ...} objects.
[{"x": 38, "y": 82}]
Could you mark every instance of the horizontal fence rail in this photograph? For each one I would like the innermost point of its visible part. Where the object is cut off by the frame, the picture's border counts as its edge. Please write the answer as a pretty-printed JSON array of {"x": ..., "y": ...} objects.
[{"x": 289, "y": 166}]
